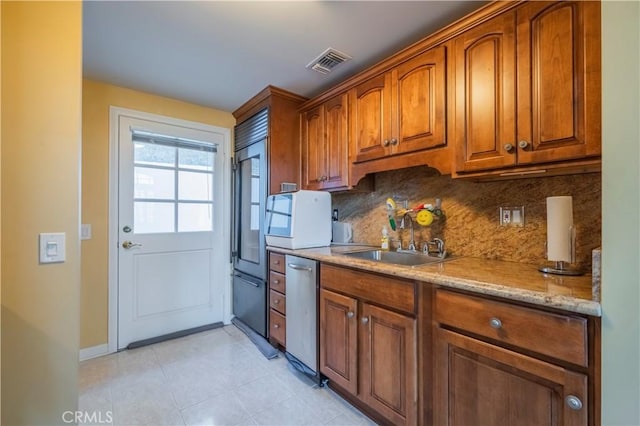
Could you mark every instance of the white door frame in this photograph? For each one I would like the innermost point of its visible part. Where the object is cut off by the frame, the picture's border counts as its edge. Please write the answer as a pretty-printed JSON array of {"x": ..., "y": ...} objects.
[{"x": 114, "y": 114}]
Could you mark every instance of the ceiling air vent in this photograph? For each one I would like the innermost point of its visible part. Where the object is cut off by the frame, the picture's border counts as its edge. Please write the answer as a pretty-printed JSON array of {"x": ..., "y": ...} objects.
[{"x": 327, "y": 60}]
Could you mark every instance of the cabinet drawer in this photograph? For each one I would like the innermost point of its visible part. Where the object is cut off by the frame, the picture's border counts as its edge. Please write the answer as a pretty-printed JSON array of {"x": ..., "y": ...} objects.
[
  {"x": 277, "y": 301},
  {"x": 277, "y": 326},
  {"x": 560, "y": 336},
  {"x": 277, "y": 282},
  {"x": 276, "y": 262},
  {"x": 383, "y": 290}
]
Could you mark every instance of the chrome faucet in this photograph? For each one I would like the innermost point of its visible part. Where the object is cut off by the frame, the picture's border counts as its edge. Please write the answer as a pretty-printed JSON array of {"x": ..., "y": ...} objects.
[
  {"x": 412, "y": 243},
  {"x": 439, "y": 249}
]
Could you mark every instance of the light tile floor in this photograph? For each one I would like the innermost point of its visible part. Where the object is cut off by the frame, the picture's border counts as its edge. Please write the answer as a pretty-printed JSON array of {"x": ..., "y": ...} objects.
[{"x": 217, "y": 377}]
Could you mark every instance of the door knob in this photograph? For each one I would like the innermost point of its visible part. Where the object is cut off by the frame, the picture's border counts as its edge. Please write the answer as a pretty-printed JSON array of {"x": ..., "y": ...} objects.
[
  {"x": 385, "y": 142},
  {"x": 394, "y": 141},
  {"x": 508, "y": 147},
  {"x": 129, "y": 244},
  {"x": 523, "y": 144}
]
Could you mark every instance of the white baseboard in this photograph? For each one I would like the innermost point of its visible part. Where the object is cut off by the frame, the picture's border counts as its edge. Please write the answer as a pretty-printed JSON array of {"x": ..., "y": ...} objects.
[{"x": 94, "y": 352}]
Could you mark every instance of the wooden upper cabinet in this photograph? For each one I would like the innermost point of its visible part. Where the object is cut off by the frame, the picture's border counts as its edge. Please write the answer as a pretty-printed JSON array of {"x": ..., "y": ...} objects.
[
  {"x": 485, "y": 95},
  {"x": 418, "y": 113},
  {"x": 313, "y": 148},
  {"x": 401, "y": 111},
  {"x": 370, "y": 118},
  {"x": 528, "y": 87},
  {"x": 325, "y": 145},
  {"x": 558, "y": 81}
]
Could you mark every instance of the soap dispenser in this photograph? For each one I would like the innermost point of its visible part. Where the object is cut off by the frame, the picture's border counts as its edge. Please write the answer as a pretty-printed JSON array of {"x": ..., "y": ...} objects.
[{"x": 384, "y": 240}]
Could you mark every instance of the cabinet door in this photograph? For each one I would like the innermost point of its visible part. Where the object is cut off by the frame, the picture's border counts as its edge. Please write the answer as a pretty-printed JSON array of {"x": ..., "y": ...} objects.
[
  {"x": 338, "y": 339},
  {"x": 558, "y": 81},
  {"x": 388, "y": 360},
  {"x": 419, "y": 103},
  {"x": 337, "y": 142},
  {"x": 370, "y": 111},
  {"x": 485, "y": 96},
  {"x": 481, "y": 384},
  {"x": 313, "y": 148}
]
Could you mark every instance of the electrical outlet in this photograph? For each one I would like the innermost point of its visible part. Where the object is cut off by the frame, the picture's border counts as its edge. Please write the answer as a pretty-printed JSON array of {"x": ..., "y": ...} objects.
[{"x": 512, "y": 216}]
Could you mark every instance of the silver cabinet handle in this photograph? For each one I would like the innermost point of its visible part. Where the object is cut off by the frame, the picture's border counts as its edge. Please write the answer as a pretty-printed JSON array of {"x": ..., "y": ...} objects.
[
  {"x": 394, "y": 141},
  {"x": 276, "y": 281},
  {"x": 365, "y": 320},
  {"x": 276, "y": 325},
  {"x": 495, "y": 323},
  {"x": 523, "y": 144},
  {"x": 299, "y": 267},
  {"x": 276, "y": 262},
  {"x": 350, "y": 314},
  {"x": 129, "y": 244},
  {"x": 385, "y": 142},
  {"x": 277, "y": 301},
  {"x": 508, "y": 147},
  {"x": 573, "y": 402}
]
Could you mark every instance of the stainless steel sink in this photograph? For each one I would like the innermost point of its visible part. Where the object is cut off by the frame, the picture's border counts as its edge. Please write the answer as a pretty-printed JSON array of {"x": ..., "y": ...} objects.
[{"x": 396, "y": 258}]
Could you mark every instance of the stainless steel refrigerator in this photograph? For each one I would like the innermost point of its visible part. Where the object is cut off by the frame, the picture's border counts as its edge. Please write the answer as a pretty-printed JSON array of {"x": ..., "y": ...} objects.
[{"x": 249, "y": 193}]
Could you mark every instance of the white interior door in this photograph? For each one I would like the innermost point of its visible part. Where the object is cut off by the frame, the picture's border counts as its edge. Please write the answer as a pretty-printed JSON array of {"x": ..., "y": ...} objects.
[{"x": 173, "y": 254}]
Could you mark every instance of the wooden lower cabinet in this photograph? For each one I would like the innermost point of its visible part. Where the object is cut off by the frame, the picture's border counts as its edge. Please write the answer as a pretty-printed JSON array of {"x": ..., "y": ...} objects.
[
  {"x": 277, "y": 300},
  {"x": 478, "y": 383},
  {"x": 371, "y": 353},
  {"x": 497, "y": 363},
  {"x": 339, "y": 339},
  {"x": 388, "y": 368}
]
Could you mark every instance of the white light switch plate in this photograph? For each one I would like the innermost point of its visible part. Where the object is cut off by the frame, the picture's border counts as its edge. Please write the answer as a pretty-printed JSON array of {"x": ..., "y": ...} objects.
[
  {"x": 85, "y": 232},
  {"x": 52, "y": 247}
]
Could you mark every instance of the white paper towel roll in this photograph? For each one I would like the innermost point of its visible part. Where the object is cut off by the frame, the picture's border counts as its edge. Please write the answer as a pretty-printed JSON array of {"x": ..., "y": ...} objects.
[{"x": 559, "y": 228}]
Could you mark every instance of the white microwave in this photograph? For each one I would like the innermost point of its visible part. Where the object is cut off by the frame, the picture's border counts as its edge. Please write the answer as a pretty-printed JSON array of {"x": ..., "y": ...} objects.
[{"x": 300, "y": 219}]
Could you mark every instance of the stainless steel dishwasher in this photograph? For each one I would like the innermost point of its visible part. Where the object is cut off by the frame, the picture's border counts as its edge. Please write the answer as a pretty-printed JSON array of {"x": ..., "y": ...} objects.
[{"x": 302, "y": 314}]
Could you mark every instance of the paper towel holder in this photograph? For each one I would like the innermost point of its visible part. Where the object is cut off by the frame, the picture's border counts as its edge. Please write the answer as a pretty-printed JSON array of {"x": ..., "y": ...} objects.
[{"x": 561, "y": 267}]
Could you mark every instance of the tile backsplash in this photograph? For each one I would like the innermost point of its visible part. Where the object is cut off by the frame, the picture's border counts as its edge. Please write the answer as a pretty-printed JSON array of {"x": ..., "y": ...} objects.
[{"x": 471, "y": 225}]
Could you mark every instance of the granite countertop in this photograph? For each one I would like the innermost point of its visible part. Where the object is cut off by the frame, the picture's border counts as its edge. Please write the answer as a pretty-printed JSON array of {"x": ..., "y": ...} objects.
[{"x": 516, "y": 281}]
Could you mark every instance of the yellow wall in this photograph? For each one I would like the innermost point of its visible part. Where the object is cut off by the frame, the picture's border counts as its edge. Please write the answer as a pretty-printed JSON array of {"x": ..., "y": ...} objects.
[
  {"x": 0, "y": 208},
  {"x": 620, "y": 213},
  {"x": 41, "y": 130},
  {"x": 97, "y": 97}
]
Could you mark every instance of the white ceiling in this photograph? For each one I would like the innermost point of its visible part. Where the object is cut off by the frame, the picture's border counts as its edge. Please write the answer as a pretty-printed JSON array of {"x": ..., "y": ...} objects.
[{"x": 221, "y": 53}]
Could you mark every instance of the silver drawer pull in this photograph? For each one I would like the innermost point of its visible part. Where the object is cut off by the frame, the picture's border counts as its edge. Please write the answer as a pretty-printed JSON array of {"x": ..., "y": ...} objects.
[
  {"x": 573, "y": 402},
  {"x": 276, "y": 325},
  {"x": 495, "y": 323},
  {"x": 299, "y": 267},
  {"x": 350, "y": 314},
  {"x": 276, "y": 301},
  {"x": 276, "y": 281},
  {"x": 365, "y": 320}
]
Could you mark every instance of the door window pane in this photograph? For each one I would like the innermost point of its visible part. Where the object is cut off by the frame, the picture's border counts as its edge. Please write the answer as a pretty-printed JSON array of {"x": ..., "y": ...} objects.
[
  {"x": 195, "y": 159},
  {"x": 159, "y": 155},
  {"x": 195, "y": 186},
  {"x": 195, "y": 217},
  {"x": 150, "y": 217},
  {"x": 154, "y": 183}
]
